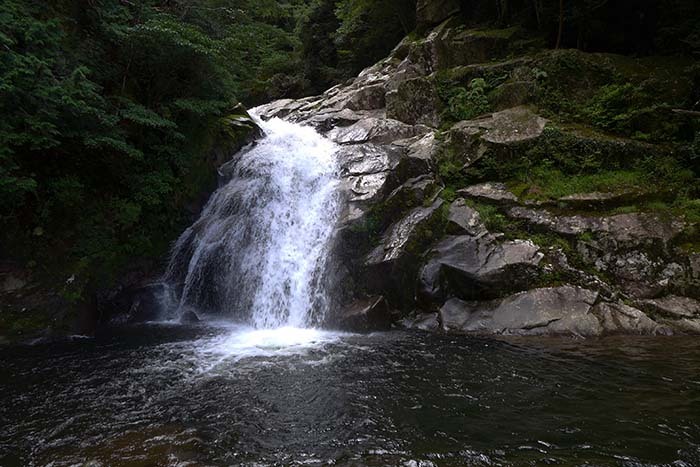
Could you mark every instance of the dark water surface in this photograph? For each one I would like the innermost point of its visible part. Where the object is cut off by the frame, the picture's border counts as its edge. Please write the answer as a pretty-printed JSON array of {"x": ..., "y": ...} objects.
[{"x": 162, "y": 395}]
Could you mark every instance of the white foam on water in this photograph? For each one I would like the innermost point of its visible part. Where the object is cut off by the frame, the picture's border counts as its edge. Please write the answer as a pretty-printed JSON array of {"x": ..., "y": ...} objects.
[{"x": 265, "y": 345}]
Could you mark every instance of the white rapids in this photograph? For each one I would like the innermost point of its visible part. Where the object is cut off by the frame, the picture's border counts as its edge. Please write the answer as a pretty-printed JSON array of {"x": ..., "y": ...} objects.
[{"x": 258, "y": 253}]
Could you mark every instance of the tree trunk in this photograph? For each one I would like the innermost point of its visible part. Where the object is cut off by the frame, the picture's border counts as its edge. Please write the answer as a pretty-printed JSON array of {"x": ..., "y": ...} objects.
[
  {"x": 561, "y": 23},
  {"x": 536, "y": 4}
]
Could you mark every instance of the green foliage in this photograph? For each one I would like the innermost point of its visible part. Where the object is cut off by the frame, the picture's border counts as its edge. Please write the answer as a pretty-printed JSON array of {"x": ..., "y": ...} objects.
[
  {"x": 631, "y": 111},
  {"x": 609, "y": 108},
  {"x": 491, "y": 216},
  {"x": 449, "y": 194},
  {"x": 107, "y": 113},
  {"x": 464, "y": 103},
  {"x": 369, "y": 29},
  {"x": 550, "y": 183}
]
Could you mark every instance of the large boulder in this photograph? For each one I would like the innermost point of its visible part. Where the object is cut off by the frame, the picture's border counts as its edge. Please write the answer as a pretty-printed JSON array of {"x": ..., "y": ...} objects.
[
  {"x": 365, "y": 315},
  {"x": 463, "y": 219},
  {"x": 325, "y": 120},
  {"x": 618, "y": 318},
  {"x": 478, "y": 267},
  {"x": 492, "y": 192},
  {"x": 376, "y": 130},
  {"x": 279, "y": 109},
  {"x": 672, "y": 306},
  {"x": 562, "y": 310},
  {"x": 421, "y": 151},
  {"x": 422, "y": 322},
  {"x": 498, "y": 133},
  {"x": 392, "y": 265},
  {"x": 432, "y": 12},
  {"x": 509, "y": 126},
  {"x": 367, "y": 98},
  {"x": 415, "y": 101}
]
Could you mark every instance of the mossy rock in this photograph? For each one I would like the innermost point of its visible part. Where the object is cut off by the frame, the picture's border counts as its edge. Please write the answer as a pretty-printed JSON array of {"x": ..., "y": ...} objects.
[
  {"x": 415, "y": 101},
  {"x": 391, "y": 268},
  {"x": 572, "y": 150}
]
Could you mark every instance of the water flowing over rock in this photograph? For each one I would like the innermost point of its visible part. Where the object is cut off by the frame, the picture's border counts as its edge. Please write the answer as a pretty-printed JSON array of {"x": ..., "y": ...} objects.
[
  {"x": 504, "y": 256},
  {"x": 259, "y": 250}
]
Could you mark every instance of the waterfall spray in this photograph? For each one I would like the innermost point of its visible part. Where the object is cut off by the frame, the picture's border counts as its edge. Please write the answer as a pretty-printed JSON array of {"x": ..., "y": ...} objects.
[{"x": 258, "y": 252}]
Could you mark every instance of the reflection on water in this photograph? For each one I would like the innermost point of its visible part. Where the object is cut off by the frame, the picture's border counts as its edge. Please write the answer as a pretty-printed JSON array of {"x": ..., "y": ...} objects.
[{"x": 164, "y": 395}]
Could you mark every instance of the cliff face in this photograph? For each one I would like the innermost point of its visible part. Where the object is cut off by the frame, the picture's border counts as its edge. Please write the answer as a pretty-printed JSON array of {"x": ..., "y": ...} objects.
[{"x": 495, "y": 186}]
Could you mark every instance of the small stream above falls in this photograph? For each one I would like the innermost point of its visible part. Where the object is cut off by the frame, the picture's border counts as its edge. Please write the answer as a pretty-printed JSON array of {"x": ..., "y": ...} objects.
[{"x": 258, "y": 253}]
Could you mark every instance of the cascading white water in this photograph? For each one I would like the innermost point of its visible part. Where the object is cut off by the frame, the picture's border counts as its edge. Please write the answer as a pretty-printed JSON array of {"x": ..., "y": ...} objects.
[{"x": 258, "y": 252}]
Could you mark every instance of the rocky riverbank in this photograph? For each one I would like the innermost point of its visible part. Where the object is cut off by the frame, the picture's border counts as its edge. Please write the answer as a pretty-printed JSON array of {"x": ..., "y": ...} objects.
[{"x": 451, "y": 223}]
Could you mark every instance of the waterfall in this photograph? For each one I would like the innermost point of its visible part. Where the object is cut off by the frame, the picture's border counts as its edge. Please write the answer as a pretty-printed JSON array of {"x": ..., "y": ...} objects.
[{"x": 258, "y": 253}]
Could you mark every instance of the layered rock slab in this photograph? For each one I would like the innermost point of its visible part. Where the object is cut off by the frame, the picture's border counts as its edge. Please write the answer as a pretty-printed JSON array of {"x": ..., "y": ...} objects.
[
  {"x": 555, "y": 310},
  {"x": 478, "y": 266},
  {"x": 392, "y": 265}
]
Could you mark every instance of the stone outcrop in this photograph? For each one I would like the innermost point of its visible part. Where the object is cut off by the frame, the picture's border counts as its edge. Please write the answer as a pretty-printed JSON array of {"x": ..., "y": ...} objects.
[
  {"x": 491, "y": 192},
  {"x": 568, "y": 311},
  {"x": 626, "y": 229},
  {"x": 463, "y": 219},
  {"x": 391, "y": 266},
  {"x": 559, "y": 267},
  {"x": 559, "y": 310},
  {"x": 496, "y": 135},
  {"x": 618, "y": 318},
  {"x": 432, "y": 12},
  {"x": 479, "y": 266},
  {"x": 365, "y": 315},
  {"x": 672, "y": 307}
]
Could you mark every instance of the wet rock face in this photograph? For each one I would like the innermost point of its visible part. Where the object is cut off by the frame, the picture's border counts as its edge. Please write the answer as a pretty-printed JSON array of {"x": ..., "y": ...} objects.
[
  {"x": 415, "y": 101},
  {"x": 375, "y": 130},
  {"x": 397, "y": 241},
  {"x": 464, "y": 219},
  {"x": 437, "y": 267},
  {"x": 479, "y": 266},
  {"x": 559, "y": 310},
  {"x": 392, "y": 265},
  {"x": 366, "y": 315}
]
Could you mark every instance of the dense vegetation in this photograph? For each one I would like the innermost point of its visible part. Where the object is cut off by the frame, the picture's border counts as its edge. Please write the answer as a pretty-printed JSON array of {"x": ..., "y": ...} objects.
[
  {"x": 111, "y": 111},
  {"x": 115, "y": 113}
]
